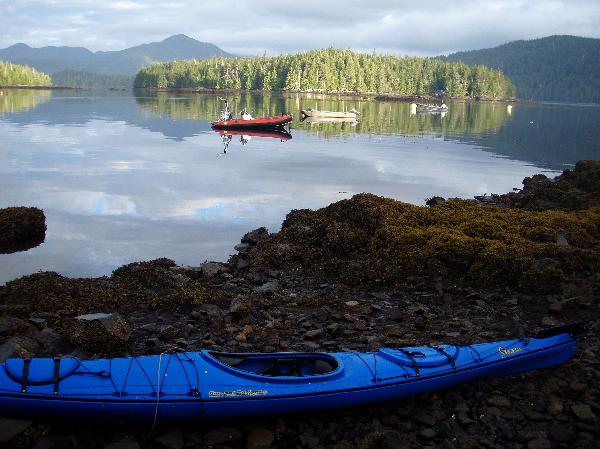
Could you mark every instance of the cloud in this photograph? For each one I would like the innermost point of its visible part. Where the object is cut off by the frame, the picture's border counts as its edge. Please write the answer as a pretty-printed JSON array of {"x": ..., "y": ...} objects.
[
  {"x": 427, "y": 27},
  {"x": 126, "y": 5}
]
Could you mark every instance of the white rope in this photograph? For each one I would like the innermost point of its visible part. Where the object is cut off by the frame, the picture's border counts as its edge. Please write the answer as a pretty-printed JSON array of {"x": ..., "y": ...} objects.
[{"x": 157, "y": 393}]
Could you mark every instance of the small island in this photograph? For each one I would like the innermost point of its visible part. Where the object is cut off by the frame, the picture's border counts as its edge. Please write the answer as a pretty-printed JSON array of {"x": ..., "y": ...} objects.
[{"x": 330, "y": 71}]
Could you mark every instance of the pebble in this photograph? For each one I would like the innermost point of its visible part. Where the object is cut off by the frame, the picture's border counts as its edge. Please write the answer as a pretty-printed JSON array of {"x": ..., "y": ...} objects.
[
  {"x": 10, "y": 428},
  {"x": 171, "y": 440},
  {"x": 499, "y": 401},
  {"x": 260, "y": 438},
  {"x": 583, "y": 412},
  {"x": 428, "y": 433},
  {"x": 539, "y": 443},
  {"x": 126, "y": 443},
  {"x": 555, "y": 406},
  {"x": 223, "y": 435}
]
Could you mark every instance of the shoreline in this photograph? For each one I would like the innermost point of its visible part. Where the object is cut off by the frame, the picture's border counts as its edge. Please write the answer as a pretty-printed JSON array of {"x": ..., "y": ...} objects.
[
  {"x": 365, "y": 95},
  {"x": 406, "y": 98},
  {"x": 40, "y": 88}
]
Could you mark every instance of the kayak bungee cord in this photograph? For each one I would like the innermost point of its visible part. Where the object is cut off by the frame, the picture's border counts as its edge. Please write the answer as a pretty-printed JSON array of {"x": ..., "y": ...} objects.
[{"x": 157, "y": 394}]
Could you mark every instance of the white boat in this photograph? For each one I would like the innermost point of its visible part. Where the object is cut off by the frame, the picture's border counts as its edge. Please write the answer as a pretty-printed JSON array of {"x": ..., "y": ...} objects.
[{"x": 351, "y": 114}]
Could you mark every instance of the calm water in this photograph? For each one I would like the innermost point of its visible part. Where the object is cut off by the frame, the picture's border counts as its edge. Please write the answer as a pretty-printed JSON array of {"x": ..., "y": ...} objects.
[{"x": 125, "y": 177}]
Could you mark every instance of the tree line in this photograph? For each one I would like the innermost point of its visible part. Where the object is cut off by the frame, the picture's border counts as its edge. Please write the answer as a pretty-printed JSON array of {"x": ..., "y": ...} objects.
[
  {"x": 21, "y": 75},
  {"x": 79, "y": 78},
  {"x": 329, "y": 70}
]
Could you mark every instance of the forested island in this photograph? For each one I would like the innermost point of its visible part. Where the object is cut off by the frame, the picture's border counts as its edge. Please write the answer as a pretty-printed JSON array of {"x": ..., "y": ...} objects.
[
  {"x": 20, "y": 75},
  {"x": 330, "y": 70}
]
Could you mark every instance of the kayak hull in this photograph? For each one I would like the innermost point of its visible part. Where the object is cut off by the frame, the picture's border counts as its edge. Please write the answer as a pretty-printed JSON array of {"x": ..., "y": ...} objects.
[
  {"x": 199, "y": 385},
  {"x": 263, "y": 122}
]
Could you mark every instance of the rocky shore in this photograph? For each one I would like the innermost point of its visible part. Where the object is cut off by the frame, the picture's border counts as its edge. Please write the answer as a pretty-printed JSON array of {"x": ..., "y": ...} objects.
[{"x": 359, "y": 274}]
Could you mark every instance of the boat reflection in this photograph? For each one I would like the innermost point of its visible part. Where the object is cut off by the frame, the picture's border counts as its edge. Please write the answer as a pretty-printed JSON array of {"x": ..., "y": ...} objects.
[{"x": 247, "y": 135}]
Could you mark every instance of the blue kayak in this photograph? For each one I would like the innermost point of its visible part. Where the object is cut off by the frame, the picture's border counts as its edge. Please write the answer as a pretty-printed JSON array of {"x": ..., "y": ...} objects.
[{"x": 209, "y": 384}]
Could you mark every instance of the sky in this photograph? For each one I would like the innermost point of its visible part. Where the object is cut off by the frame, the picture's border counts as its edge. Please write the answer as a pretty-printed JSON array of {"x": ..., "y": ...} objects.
[{"x": 423, "y": 27}]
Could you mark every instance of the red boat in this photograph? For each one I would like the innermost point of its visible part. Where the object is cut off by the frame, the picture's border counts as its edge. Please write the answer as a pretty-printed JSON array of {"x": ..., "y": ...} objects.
[
  {"x": 263, "y": 122},
  {"x": 226, "y": 120}
]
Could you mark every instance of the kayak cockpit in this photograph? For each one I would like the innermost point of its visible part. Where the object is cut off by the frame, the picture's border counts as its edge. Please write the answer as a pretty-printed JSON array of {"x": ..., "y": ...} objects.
[{"x": 279, "y": 364}]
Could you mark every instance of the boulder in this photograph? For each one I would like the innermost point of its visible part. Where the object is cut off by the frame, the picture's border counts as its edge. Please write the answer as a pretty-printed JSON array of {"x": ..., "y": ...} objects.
[
  {"x": 255, "y": 236},
  {"x": 210, "y": 269},
  {"x": 100, "y": 332},
  {"x": 17, "y": 347},
  {"x": 21, "y": 228}
]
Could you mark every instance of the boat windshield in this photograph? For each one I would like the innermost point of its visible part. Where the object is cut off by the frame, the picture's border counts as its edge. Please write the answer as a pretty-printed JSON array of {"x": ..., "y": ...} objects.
[{"x": 279, "y": 364}]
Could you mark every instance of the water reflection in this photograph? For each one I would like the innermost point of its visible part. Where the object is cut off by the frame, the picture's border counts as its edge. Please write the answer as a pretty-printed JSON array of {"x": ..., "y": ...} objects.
[
  {"x": 375, "y": 117},
  {"x": 18, "y": 100},
  {"x": 124, "y": 178},
  {"x": 247, "y": 135}
]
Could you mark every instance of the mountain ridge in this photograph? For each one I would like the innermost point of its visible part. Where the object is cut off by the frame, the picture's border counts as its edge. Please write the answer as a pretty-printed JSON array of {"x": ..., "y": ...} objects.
[
  {"x": 53, "y": 59},
  {"x": 560, "y": 68}
]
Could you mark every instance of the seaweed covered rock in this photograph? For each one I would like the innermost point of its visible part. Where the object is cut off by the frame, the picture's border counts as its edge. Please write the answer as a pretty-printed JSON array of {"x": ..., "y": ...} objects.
[
  {"x": 21, "y": 228},
  {"x": 373, "y": 240},
  {"x": 60, "y": 296},
  {"x": 157, "y": 283},
  {"x": 573, "y": 190},
  {"x": 100, "y": 332}
]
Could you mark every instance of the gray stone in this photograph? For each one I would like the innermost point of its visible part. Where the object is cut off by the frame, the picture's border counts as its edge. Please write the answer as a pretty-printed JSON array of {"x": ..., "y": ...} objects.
[
  {"x": 10, "y": 428},
  {"x": 102, "y": 332},
  {"x": 260, "y": 439},
  {"x": 224, "y": 435},
  {"x": 561, "y": 239},
  {"x": 171, "y": 440},
  {"x": 539, "y": 443},
  {"x": 210, "y": 269},
  {"x": 268, "y": 287},
  {"x": 434, "y": 201},
  {"x": 240, "y": 306},
  {"x": 255, "y": 236},
  {"x": 126, "y": 443},
  {"x": 428, "y": 433},
  {"x": 392, "y": 439},
  {"x": 313, "y": 333},
  {"x": 242, "y": 247},
  {"x": 17, "y": 347},
  {"x": 583, "y": 412},
  {"x": 499, "y": 401}
]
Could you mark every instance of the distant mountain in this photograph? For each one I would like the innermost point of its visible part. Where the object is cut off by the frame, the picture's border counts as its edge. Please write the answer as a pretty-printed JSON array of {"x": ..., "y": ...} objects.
[
  {"x": 123, "y": 62},
  {"x": 555, "y": 68}
]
